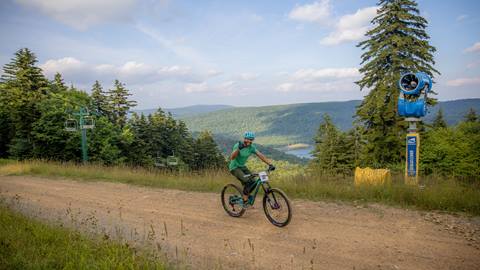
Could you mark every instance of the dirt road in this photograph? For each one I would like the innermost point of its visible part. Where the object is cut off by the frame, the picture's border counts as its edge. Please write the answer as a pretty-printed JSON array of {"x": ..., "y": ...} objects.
[{"x": 193, "y": 228}]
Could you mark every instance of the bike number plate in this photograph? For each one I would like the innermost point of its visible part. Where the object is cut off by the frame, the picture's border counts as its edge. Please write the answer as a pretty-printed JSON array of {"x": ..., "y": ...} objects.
[{"x": 263, "y": 176}]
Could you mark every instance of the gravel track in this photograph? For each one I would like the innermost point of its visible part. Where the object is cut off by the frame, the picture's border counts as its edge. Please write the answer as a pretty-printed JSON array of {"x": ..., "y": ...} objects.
[{"x": 193, "y": 228}]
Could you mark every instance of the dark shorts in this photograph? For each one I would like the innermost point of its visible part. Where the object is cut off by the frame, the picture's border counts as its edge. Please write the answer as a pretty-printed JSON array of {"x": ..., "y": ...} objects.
[{"x": 248, "y": 182}]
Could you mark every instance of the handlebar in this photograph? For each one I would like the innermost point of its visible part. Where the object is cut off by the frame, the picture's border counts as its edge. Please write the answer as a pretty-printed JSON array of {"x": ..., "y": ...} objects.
[{"x": 256, "y": 174}]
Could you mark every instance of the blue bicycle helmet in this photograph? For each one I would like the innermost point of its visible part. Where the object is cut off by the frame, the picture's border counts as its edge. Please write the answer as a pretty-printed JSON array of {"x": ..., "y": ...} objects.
[{"x": 249, "y": 135}]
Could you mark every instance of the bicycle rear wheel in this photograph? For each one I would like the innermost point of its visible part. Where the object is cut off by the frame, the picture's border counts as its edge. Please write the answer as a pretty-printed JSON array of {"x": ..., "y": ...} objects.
[
  {"x": 277, "y": 207},
  {"x": 232, "y": 200}
]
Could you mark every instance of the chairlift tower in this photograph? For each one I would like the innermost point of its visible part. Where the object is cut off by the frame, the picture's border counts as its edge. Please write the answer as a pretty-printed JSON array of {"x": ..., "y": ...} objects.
[{"x": 85, "y": 122}]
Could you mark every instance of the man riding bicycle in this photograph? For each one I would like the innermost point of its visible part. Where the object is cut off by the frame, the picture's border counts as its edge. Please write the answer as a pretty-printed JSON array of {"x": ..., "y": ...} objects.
[{"x": 238, "y": 159}]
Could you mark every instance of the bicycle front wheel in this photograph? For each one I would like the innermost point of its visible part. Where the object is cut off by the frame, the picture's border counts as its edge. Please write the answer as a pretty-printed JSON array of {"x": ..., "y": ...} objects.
[{"x": 277, "y": 207}]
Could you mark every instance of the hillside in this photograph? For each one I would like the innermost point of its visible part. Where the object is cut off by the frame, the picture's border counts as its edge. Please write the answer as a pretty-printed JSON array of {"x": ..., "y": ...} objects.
[
  {"x": 226, "y": 143},
  {"x": 297, "y": 123}
]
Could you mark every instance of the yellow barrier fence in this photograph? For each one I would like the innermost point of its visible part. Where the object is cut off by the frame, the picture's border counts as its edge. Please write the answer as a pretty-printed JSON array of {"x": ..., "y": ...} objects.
[{"x": 371, "y": 176}]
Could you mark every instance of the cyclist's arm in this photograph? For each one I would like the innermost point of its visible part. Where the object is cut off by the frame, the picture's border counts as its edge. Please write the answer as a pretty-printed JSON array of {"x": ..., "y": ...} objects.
[
  {"x": 234, "y": 154},
  {"x": 263, "y": 158}
]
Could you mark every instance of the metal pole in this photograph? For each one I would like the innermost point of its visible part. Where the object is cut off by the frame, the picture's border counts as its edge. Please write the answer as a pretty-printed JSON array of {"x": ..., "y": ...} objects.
[
  {"x": 412, "y": 151},
  {"x": 84, "y": 136}
]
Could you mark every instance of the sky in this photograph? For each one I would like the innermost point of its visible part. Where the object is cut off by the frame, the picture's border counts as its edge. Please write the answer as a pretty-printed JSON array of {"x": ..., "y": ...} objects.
[{"x": 242, "y": 53}]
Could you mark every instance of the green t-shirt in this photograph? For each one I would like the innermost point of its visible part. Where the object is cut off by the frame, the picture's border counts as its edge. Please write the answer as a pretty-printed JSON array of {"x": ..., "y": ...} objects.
[{"x": 242, "y": 157}]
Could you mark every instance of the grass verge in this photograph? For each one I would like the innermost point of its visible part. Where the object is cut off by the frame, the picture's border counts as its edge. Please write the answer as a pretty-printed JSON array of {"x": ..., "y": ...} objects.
[
  {"x": 29, "y": 244},
  {"x": 438, "y": 193}
]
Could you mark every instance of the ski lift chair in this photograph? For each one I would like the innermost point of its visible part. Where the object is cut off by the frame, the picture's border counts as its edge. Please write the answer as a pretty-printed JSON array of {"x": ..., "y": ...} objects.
[
  {"x": 172, "y": 161},
  {"x": 71, "y": 125},
  {"x": 160, "y": 162},
  {"x": 88, "y": 122}
]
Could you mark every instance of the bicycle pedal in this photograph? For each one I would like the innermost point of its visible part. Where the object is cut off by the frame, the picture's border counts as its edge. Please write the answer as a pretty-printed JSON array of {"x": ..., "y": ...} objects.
[{"x": 246, "y": 205}]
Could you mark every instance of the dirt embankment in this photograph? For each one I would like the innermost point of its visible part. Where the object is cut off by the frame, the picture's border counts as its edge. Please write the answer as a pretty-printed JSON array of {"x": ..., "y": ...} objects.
[{"x": 194, "y": 229}]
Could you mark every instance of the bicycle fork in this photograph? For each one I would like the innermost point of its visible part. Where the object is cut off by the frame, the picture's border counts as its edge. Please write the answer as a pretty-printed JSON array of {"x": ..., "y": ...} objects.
[{"x": 271, "y": 201}]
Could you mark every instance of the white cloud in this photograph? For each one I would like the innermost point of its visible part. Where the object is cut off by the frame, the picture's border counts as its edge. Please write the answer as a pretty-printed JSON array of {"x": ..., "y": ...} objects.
[
  {"x": 318, "y": 74},
  {"x": 228, "y": 84},
  {"x": 214, "y": 72},
  {"x": 462, "y": 17},
  {"x": 102, "y": 69},
  {"x": 247, "y": 76},
  {"x": 464, "y": 82},
  {"x": 351, "y": 27},
  {"x": 63, "y": 65},
  {"x": 175, "y": 71},
  {"x": 130, "y": 72},
  {"x": 333, "y": 87},
  {"x": 285, "y": 87},
  {"x": 226, "y": 88},
  {"x": 196, "y": 87},
  {"x": 81, "y": 14},
  {"x": 473, "y": 64},
  {"x": 318, "y": 12},
  {"x": 320, "y": 80},
  {"x": 474, "y": 48}
]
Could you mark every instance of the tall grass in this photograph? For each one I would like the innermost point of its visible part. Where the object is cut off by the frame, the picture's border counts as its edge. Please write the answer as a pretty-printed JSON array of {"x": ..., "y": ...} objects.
[
  {"x": 205, "y": 181},
  {"x": 29, "y": 244},
  {"x": 435, "y": 193},
  {"x": 446, "y": 194}
]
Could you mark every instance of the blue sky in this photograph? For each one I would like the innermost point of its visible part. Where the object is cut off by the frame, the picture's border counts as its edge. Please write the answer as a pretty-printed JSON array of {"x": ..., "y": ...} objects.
[{"x": 242, "y": 53}]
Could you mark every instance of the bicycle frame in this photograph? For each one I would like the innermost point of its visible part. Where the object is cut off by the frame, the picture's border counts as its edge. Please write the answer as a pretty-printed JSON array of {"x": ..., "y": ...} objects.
[{"x": 258, "y": 183}]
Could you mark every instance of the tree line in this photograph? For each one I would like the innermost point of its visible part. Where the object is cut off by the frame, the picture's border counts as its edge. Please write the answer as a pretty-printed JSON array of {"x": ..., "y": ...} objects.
[
  {"x": 34, "y": 110},
  {"x": 447, "y": 150}
]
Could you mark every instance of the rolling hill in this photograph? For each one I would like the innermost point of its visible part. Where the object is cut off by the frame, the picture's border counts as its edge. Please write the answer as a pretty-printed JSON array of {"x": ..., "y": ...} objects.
[
  {"x": 225, "y": 144},
  {"x": 188, "y": 111},
  {"x": 297, "y": 123},
  {"x": 454, "y": 110}
]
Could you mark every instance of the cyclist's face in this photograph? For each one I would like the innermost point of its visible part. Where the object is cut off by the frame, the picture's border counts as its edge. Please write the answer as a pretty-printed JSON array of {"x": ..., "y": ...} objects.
[{"x": 247, "y": 141}]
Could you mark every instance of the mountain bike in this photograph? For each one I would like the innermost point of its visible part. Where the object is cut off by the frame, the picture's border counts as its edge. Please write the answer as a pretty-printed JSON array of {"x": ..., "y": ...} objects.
[{"x": 276, "y": 204}]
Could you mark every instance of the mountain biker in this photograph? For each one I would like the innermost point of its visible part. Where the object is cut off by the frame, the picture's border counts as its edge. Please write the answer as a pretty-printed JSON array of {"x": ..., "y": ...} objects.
[{"x": 238, "y": 159}]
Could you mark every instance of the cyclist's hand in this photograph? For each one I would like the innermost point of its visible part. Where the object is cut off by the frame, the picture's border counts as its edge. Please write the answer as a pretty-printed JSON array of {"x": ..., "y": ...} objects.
[
  {"x": 241, "y": 145},
  {"x": 271, "y": 167}
]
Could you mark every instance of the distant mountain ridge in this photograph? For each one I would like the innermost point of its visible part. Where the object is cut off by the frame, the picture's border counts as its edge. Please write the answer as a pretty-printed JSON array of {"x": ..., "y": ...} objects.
[
  {"x": 454, "y": 110},
  {"x": 187, "y": 111},
  {"x": 280, "y": 125}
]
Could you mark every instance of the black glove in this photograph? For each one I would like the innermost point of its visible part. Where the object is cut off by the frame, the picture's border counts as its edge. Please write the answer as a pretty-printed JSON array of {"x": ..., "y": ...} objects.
[
  {"x": 271, "y": 167},
  {"x": 241, "y": 145}
]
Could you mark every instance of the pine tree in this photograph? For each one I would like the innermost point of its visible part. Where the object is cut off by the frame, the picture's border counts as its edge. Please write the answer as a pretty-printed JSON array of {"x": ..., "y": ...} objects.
[
  {"x": 22, "y": 74},
  {"x": 58, "y": 85},
  {"x": 398, "y": 43},
  {"x": 185, "y": 145},
  {"x": 6, "y": 130},
  {"x": 471, "y": 116},
  {"x": 439, "y": 121},
  {"x": 138, "y": 151},
  {"x": 327, "y": 146},
  {"x": 23, "y": 87},
  {"x": 119, "y": 103},
  {"x": 207, "y": 154},
  {"x": 104, "y": 141},
  {"x": 99, "y": 100}
]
